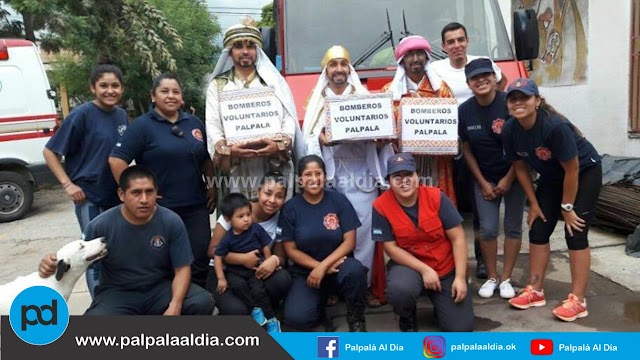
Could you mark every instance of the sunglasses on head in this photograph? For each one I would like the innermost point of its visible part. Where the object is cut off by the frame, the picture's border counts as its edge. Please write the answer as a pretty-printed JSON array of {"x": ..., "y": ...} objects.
[{"x": 175, "y": 130}]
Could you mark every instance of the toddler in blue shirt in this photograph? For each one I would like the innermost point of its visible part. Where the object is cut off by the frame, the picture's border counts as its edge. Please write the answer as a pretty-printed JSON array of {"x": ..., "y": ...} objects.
[{"x": 243, "y": 237}]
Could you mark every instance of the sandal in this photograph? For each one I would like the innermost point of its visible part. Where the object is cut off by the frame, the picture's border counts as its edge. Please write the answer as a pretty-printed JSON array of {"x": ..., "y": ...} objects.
[
  {"x": 332, "y": 300},
  {"x": 373, "y": 301}
]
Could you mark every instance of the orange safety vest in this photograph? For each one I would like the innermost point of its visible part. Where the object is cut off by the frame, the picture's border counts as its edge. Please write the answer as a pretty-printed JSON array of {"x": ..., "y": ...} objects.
[{"x": 429, "y": 242}]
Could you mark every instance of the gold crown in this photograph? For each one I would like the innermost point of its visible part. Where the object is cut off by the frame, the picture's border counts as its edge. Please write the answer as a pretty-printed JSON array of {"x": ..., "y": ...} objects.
[{"x": 335, "y": 52}]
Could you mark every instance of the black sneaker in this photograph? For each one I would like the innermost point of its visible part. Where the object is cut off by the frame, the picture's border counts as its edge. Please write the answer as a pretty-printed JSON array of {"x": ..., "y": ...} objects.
[
  {"x": 409, "y": 324},
  {"x": 356, "y": 318},
  {"x": 481, "y": 270}
]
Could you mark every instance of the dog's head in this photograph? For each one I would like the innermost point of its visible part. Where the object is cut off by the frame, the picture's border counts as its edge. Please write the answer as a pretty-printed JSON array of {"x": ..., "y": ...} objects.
[{"x": 79, "y": 254}]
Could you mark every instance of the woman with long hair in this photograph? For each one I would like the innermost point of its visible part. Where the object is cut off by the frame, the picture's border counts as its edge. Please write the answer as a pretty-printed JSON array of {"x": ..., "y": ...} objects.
[{"x": 569, "y": 184}]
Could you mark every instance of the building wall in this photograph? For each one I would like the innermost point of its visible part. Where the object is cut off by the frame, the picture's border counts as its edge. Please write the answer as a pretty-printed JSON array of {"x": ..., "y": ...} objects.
[{"x": 600, "y": 108}]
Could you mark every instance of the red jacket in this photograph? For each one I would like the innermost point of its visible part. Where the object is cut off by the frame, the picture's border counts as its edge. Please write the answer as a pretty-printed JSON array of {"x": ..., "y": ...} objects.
[{"x": 429, "y": 242}]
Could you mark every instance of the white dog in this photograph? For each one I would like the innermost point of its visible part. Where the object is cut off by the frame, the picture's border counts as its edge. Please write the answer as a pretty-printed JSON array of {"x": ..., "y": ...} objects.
[{"x": 73, "y": 260}]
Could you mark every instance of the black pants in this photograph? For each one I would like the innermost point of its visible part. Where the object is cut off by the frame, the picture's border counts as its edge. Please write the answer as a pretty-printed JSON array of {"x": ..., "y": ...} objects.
[
  {"x": 277, "y": 286},
  {"x": 305, "y": 306},
  {"x": 463, "y": 184},
  {"x": 250, "y": 290},
  {"x": 404, "y": 287},
  {"x": 196, "y": 219},
  {"x": 549, "y": 195},
  {"x": 149, "y": 301}
]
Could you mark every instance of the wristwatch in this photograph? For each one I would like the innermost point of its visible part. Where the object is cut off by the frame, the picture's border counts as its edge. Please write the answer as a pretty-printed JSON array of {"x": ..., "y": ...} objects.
[
  {"x": 282, "y": 142},
  {"x": 567, "y": 207}
]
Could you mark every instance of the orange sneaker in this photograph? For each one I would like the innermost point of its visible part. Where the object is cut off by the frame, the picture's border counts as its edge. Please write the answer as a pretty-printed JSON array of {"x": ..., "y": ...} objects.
[
  {"x": 527, "y": 298},
  {"x": 571, "y": 309}
]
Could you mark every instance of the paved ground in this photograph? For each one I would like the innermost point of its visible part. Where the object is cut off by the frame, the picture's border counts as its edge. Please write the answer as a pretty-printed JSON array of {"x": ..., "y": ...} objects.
[{"x": 613, "y": 298}]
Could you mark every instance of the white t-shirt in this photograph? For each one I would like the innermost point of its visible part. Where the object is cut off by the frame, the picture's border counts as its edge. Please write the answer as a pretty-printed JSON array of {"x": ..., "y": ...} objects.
[
  {"x": 456, "y": 78},
  {"x": 269, "y": 226}
]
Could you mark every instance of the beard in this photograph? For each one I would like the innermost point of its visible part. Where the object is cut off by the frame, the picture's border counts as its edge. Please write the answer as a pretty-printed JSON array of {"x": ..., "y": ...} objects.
[
  {"x": 416, "y": 67},
  {"x": 246, "y": 62},
  {"x": 339, "y": 79}
]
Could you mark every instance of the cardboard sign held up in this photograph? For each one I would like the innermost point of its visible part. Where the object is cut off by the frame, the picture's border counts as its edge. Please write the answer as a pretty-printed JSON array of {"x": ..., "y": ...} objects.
[
  {"x": 359, "y": 117},
  {"x": 428, "y": 126},
  {"x": 250, "y": 115}
]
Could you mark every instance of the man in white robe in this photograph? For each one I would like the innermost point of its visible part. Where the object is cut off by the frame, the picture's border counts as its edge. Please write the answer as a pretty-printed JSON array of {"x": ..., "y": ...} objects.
[
  {"x": 355, "y": 169},
  {"x": 243, "y": 65}
]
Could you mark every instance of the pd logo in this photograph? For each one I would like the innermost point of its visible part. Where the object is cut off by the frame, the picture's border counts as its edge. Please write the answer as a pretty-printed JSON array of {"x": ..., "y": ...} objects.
[
  {"x": 541, "y": 347},
  {"x": 434, "y": 347},
  {"x": 328, "y": 347},
  {"x": 39, "y": 315}
]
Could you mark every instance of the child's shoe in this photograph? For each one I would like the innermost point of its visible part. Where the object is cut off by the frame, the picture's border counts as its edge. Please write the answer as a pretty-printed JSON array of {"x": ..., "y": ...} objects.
[
  {"x": 258, "y": 316},
  {"x": 273, "y": 326}
]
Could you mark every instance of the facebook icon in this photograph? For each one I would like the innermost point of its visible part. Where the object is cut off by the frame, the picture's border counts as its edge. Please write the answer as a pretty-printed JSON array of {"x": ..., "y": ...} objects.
[{"x": 328, "y": 347}]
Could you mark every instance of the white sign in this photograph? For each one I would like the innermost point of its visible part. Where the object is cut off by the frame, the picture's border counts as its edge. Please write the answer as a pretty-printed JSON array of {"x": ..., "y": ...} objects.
[
  {"x": 429, "y": 126},
  {"x": 359, "y": 117},
  {"x": 250, "y": 115}
]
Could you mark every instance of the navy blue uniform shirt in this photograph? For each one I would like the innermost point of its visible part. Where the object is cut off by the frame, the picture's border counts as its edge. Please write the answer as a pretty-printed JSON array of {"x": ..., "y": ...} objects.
[
  {"x": 85, "y": 139},
  {"x": 480, "y": 126},
  {"x": 175, "y": 156},
  {"x": 255, "y": 237},
  {"x": 317, "y": 229},
  {"x": 140, "y": 256},
  {"x": 549, "y": 141}
]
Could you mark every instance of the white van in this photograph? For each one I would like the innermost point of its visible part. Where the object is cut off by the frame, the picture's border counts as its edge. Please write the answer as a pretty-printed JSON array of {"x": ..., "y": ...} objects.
[{"x": 27, "y": 120}]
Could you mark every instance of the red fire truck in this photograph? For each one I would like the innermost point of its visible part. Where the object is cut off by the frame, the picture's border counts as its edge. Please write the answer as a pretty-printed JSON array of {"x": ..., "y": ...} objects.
[{"x": 304, "y": 30}]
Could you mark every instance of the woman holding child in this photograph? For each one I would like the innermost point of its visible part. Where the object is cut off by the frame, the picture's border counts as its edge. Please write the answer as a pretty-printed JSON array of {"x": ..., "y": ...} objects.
[
  {"x": 244, "y": 237},
  {"x": 318, "y": 230},
  {"x": 265, "y": 212}
]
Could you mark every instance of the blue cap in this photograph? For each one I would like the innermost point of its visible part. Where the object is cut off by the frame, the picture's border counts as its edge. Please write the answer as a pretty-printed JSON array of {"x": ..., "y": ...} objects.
[
  {"x": 401, "y": 162},
  {"x": 526, "y": 86},
  {"x": 477, "y": 67}
]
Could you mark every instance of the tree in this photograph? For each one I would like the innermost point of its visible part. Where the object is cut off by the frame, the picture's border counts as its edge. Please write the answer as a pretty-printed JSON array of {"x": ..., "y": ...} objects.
[
  {"x": 197, "y": 30},
  {"x": 34, "y": 14},
  {"x": 8, "y": 27},
  {"x": 267, "y": 16},
  {"x": 142, "y": 37}
]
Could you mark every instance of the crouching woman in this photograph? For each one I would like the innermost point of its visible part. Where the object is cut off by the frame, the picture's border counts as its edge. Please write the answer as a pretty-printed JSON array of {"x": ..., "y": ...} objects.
[{"x": 423, "y": 236}]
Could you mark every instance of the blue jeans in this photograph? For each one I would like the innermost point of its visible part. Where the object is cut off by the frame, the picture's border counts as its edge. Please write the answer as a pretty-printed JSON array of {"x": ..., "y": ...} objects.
[{"x": 86, "y": 212}]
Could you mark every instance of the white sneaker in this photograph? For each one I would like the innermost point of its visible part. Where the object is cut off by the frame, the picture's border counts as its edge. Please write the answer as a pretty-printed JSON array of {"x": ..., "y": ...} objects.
[
  {"x": 488, "y": 288},
  {"x": 506, "y": 290}
]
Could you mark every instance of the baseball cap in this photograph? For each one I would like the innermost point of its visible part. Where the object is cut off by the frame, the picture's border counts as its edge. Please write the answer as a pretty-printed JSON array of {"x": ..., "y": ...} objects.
[
  {"x": 526, "y": 86},
  {"x": 401, "y": 162},
  {"x": 477, "y": 67}
]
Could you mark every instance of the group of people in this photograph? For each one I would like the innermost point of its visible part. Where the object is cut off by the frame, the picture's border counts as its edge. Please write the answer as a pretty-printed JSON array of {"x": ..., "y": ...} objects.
[{"x": 272, "y": 247}]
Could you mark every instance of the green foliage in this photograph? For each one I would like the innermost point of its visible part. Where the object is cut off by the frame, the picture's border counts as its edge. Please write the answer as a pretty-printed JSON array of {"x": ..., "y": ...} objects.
[
  {"x": 143, "y": 37},
  {"x": 267, "y": 16},
  {"x": 9, "y": 28},
  {"x": 196, "y": 60},
  {"x": 34, "y": 15}
]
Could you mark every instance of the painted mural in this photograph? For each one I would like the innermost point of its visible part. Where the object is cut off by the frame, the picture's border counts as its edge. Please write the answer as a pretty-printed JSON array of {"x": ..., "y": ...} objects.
[{"x": 562, "y": 24}]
